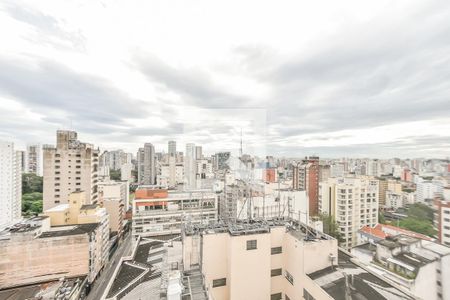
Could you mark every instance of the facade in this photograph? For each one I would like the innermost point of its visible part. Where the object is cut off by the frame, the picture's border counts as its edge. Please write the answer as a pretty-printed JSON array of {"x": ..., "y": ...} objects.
[
  {"x": 198, "y": 152},
  {"x": 10, "y": 184},
  {"x": 220, "y": 160},
  {"x": 306, "y": 178},
  {"x": 276, "y": 260},
  {"x": 125, "y": 172},
  {"x": 170, "y": 174},
  {"x": 146, "y": 164},
  {"x": 115, "y": 198},
  {"x": 33, "y": 252},
  {"x": 442, "y": 220},
  {"x": 190, "y": 167},
  {"x": 387, "y": 185},
  {"x": 159, "y": 211},
  {"x": 69, "y": 167},
  {"x": 172, "y": 148},
  {"x": 353, "y": 202},
  {"x": 77, "y": 212},
  {"x": 33, "y": 160}
]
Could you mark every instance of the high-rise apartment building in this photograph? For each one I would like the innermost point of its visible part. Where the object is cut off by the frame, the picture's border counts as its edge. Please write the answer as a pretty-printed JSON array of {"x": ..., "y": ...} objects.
[
  {"x": 146, "y": 164},
  {"x": 33, "y": 159},
  {"x": 172, "y": 147},
  {"x": 306, "y": 178},
  {"x": 198, "y": 152},
  {"x": 10, "y": 184},
  {"x": 190, "y": 166},
  {"x": 442, "y": 219},
  {"x": 69, "y": 167},
  {"x": 352, "y": 202}
]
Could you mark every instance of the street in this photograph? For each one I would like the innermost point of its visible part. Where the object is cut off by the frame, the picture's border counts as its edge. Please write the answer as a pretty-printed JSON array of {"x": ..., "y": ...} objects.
[{"x": 100, "y": 284}]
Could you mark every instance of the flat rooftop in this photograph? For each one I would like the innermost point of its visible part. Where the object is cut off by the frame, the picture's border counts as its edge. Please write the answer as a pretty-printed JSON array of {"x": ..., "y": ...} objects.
[
  {"x": 67, "y": 230},
  {"x": 398, "y": 241},
  {"x": 299, "y": 230},
  {"x": 47, "y": 290},
  {"x": 348, "y": 280}
]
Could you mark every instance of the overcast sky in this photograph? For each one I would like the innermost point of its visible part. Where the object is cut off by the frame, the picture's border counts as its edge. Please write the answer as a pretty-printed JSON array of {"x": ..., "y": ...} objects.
[{"x": 332, "y": 78}]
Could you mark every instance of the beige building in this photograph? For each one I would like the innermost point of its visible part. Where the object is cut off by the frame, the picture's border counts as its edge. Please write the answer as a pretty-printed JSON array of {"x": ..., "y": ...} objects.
[
  {"x": 33, "y": 252},
  {"x": 276, "y": 260},
  {"x": 69, "y": 167},
  {"x": 77, "y": 212},
  {"x": 115, "y": 198},
  {"x": 387, "y": 185},
  {"x": 353, "y": 202}
]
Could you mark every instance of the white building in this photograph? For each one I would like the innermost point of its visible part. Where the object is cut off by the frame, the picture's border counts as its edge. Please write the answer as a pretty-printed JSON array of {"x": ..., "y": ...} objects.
[
  {"x": 190, "y": 166},
  {"x": 353, "y": 202},
  {"x": 146, "y": 160},
  {"x": 159, "y": 211},
  {"x": 10, "y": 184},
  {"x": 125, "y": 172},
  {"x": 422, "y": 267}
]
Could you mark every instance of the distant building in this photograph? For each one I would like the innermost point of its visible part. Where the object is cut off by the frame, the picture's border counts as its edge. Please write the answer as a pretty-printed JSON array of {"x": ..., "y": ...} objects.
[
  {"x": 115, "y": 198},
  {"x": 352, "y": 202},
  {"x": 10, "y": 184},
  {"x": 190, "y": 166},
  {"x": 69, "y": 167},
  {"x": 33, "y": 160},
  {"x": 306, "y": 178},
  {"x": 172, "y": 148},
  {"x": 159, "y": 211},
  {"x": 146, "y": 159},
  {"x": 220, "y": 160}
]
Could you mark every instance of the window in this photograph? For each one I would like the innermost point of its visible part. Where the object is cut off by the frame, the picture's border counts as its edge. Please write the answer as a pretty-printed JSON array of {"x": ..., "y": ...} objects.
[
  {"x": 219, "y": 282},
  {"x": 275, "y": 272},
  {"x": 289, "y": 277},
  {"x": 276, "y": 296},
  {"x": 251, "y": 245},
  {"x": 307, "y": 296},
  {"x": 447, "y": 212},
  {"x": 275, "y": 250}
]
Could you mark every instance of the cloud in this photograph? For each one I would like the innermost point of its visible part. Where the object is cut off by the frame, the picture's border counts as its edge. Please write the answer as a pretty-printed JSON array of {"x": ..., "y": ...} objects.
[
  {"x": 62, "y": 95},
  {"x": 49, "y": 30},
  {"x": 195, "y": 86}
]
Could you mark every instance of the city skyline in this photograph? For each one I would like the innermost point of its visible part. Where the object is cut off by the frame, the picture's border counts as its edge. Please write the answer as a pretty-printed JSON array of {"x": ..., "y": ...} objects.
[{"x": 372, "y": 84}]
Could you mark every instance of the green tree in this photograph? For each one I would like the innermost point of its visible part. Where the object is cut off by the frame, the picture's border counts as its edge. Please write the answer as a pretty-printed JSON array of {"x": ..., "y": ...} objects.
[
  {"x": 381, "y": 218},
  {"x": 330, "y": 226},
  {"x": 31, "y": 183},
  {"x": 32, "y": 186},
  {"x": 418, "y": 225},
  {"x": 114, "y": 174},
  {"x": 421, "y": 211}
]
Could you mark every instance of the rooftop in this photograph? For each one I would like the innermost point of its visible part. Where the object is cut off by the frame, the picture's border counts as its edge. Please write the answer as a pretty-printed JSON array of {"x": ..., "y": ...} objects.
[
  {"x": 400, "y": 240},
  {"x": 57, "y": 208},
  {"x": 144, "y": 275},
  {"x": 67, "y": 230},
  {"x": 88, "y": 206},
  {"x": 348, "y": 280},
  {"x": 45, "y": 291},
  {"x": 244, "y": 227}
]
